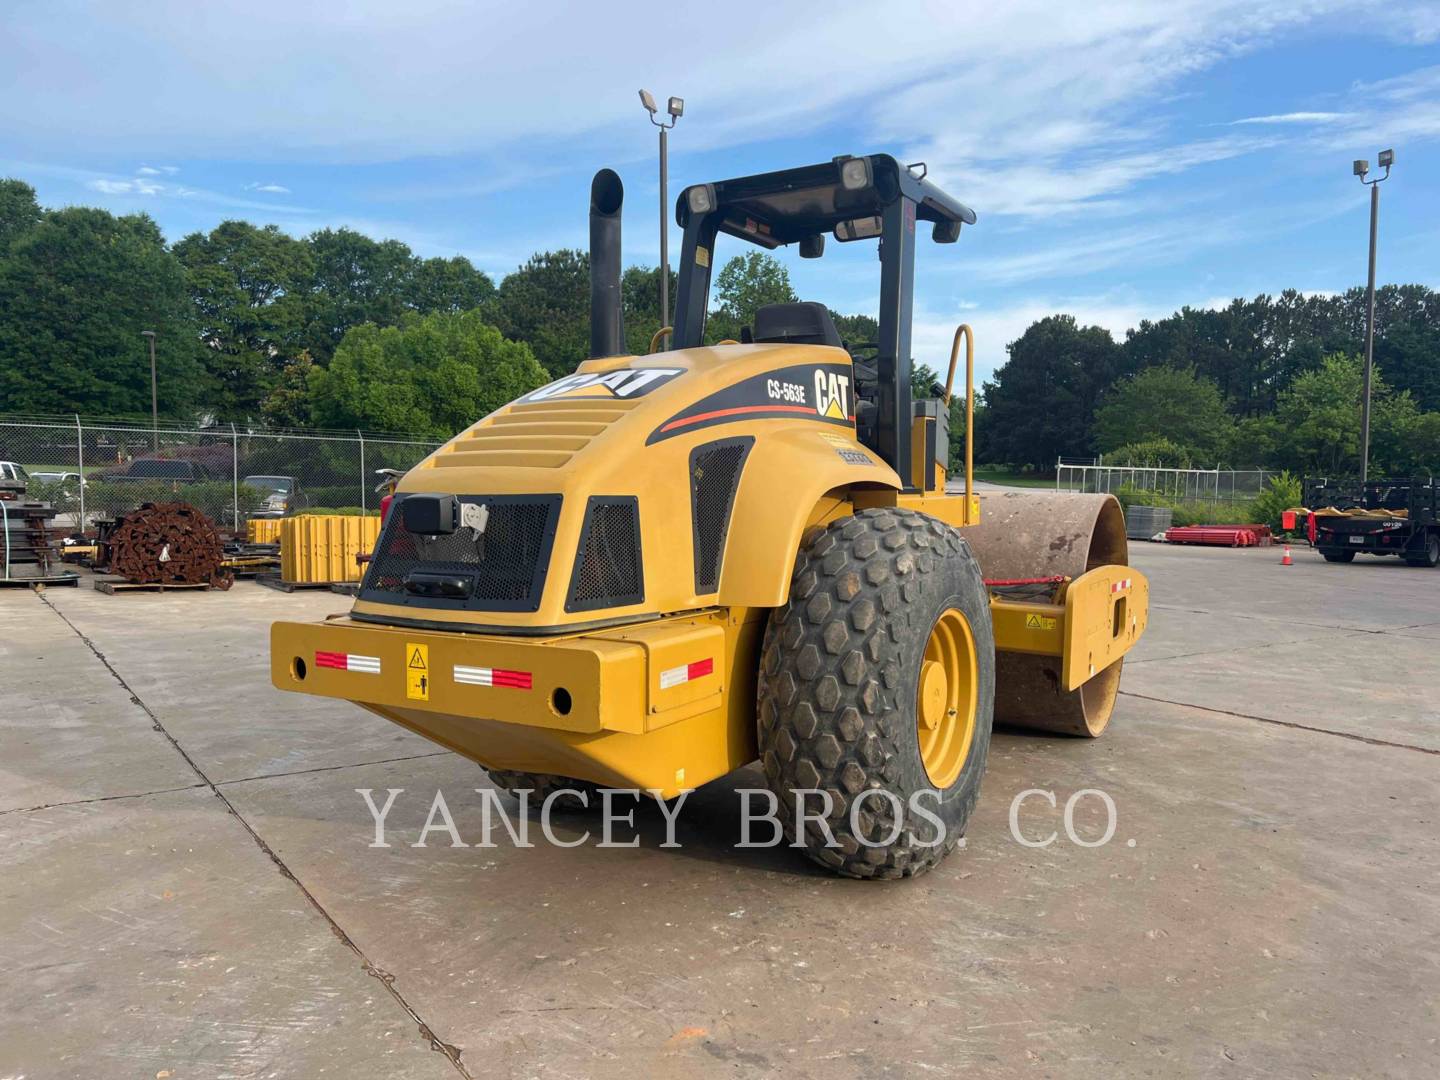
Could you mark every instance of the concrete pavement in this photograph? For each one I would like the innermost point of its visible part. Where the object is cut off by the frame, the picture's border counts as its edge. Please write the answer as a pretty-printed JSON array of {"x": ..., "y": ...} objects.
[{"x": 186, "y": 886}]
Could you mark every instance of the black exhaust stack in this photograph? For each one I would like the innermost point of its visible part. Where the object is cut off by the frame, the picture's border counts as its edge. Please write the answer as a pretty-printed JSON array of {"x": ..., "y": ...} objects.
[{"x": 607, "y": 324}]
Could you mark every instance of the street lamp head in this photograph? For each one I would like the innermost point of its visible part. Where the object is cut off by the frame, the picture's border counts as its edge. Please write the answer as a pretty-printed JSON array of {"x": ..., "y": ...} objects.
[
  {"x": 147, "y": 333},
  {"x": 648, "y": 100},
  {"x": 1387, "y": 158},
  {"x": 677, "y": 108},
  {"x": 1361, "y": 167}
]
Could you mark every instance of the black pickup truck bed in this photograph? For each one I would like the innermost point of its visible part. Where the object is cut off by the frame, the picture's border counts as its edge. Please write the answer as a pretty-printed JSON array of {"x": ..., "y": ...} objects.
[{"x": 1380, "y": 517}]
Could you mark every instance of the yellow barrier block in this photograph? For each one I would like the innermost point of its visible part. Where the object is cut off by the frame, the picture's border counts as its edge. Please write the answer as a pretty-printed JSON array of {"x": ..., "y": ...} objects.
[
  {"x": 322, "y": 547},
  {"x": 263, "y": 530}
]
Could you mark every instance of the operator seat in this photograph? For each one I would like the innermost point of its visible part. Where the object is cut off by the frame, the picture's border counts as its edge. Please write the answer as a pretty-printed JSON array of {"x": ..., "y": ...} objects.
[{"x": 805, "y": 323}]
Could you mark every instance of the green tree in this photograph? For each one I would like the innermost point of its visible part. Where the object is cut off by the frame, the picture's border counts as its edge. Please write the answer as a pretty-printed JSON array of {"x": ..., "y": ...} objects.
[
  {"x": 431, "y": 375},
  {"x": 1317, "y": 421},
  {"x": 546, "y": 303},
  {"x": 1159, "y": 453},
  {"x": 447, "y": 285},
  {"x": 1222, "y": 346},
  {"x": 75, "y": 292},
  {"x": 288, "y": 403},
  {"x": 19, "y": 212},
  {"x": 1164, "y": 402},
  {"x": 247, "y": 285},
  {"x": 856, "y": 329},
  {"x": 353, "y": 280},
  {"x": 640, "y": 295},
  {"x": 1040, "y": 402},
  {"x": 1281, "y": 493},
  {"x": 745, "y": 284}
]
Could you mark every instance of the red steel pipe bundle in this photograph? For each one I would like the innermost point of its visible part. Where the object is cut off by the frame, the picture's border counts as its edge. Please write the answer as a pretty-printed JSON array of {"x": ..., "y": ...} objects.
[{"x": 1215, "y": 535}]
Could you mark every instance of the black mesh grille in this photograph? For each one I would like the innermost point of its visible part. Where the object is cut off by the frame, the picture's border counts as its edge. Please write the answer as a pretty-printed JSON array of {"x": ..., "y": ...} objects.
[
  {"x": 714, "y": 477},
  {"x": 503, "y": 565},
  {"x": 607, "y": 564}
]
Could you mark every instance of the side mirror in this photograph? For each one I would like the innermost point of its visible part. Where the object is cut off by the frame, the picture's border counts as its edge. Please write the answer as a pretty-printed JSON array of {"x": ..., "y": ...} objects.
[
  {"x": 812, "y": 247},
  {"x": 945, "y": 232},
  {"x": 859, "y": 229}
]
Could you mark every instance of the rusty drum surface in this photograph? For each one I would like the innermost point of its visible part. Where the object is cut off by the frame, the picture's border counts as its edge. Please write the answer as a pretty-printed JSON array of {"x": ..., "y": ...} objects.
[{"x": 1026, "y": 534}]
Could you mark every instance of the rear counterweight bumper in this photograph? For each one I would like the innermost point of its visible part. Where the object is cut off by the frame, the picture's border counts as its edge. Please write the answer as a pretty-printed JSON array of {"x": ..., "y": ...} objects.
[{"x": 638, "y": 706}]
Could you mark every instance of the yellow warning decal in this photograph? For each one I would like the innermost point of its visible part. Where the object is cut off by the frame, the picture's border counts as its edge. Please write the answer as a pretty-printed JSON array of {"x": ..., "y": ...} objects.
[
  {"x": 1039, "y": 622},
  {"x": 417, "y": 671},
  {"x": 702, "y": 256}
]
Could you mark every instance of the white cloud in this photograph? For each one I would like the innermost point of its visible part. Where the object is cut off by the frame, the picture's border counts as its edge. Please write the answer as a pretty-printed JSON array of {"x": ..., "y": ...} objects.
[
  {"x": 125, "y": 187},
  {"x": 273, "y": 189},
  {"x": 146, "y": 170},
  {"x": 1036, "y": 107},
  {"x": 117, "y": 186},
  {"x": 1395, "y": 110},
  {"x": 1294, "y": 118}
]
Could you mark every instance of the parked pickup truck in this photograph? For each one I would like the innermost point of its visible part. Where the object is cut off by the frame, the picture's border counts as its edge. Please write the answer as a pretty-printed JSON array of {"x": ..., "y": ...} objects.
[
  {"x": 175, "y": 470},
  {"x": 1380, "y": 517},
  {"x": 282, "y": 495}
]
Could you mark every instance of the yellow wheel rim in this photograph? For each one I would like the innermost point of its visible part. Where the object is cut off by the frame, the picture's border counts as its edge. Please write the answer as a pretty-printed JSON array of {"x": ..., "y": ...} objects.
[{"x": 946, "y": 698}]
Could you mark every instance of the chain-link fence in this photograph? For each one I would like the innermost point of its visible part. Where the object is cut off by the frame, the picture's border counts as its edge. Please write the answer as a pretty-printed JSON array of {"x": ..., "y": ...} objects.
[
  {"x": 1180, "y": 485},
  {"x": 90, "y": 469}
]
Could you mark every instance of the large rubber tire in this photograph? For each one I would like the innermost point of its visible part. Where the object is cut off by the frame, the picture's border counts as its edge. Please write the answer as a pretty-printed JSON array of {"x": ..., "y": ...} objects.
[
  {"x": 837, "y": 695},
  {"x": 541, "y": 785},
  {"x": 1430, "y": 554},
  {"x": 1337, "y": 555}
]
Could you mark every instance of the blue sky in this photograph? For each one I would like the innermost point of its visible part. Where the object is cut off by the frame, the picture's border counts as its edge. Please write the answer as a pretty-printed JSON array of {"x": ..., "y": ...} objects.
[{"x": 1123, "y": 158}]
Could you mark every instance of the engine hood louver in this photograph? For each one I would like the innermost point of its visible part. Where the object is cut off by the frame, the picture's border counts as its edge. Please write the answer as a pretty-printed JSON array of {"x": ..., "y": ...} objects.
[{"x": 533, "y": 435}]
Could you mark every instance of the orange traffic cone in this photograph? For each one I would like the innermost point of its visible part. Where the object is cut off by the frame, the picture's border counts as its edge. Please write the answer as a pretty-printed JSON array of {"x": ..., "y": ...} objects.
[{"x": 1287, "y": 561}]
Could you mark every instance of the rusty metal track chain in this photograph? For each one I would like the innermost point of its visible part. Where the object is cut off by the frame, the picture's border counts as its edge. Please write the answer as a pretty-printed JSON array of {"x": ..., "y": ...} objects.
[{"x": 168, "y": 544}]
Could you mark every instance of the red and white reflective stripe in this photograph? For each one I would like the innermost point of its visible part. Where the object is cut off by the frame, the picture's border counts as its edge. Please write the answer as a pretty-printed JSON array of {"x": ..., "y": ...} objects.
[
  {"x": 493, "y": 676},
  {"x": 677, "y": 676},
  {"x": 1121, "y": 585},
  {"x": 340, "y": 661}
]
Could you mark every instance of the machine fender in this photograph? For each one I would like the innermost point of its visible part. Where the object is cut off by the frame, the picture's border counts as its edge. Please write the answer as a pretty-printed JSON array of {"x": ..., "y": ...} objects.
[{"x": 787, "y": 476}]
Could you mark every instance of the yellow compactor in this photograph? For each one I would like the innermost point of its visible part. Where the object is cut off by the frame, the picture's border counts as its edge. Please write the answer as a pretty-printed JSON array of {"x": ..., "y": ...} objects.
[{"x": 658, "y": 569}]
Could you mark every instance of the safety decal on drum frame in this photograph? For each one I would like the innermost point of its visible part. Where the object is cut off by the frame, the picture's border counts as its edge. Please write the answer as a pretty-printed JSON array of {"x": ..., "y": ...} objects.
[
  {"x": 485, "y": 676},
  {"x": 678, "y": 676},
  {"x": 417, "y": 671},
  {"x": 368, "y": 665}
]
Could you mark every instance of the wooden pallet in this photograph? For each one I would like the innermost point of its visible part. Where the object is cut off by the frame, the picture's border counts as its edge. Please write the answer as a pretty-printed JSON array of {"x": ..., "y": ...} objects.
[
  {"x": 111, "y": 587},
  {"x": 68, "y": 577},
  {"x": 241, "y": 570},
  {"x": 275, "y": 581}
]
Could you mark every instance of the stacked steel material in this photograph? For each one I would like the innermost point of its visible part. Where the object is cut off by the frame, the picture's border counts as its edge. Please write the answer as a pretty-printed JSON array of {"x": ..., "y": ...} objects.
[
  {"x": 28, "y": 551},
  {"x": 1146, "y": 522},
  {"x": 165, "y": 544},
  {"x": 1218, "y": 535}
]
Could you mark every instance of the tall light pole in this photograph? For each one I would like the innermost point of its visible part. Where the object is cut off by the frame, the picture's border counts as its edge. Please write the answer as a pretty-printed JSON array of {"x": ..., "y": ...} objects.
[
  {"x": 1361, "y": 168},
  {"x": 676, "y": 108},
  {"x": 154, "y": 395}
]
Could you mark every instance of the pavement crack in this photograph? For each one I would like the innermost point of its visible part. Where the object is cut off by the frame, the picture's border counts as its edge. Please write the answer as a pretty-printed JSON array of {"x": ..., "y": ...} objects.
[
  {"x": 1286, "y": 724},
  {"x": 387, "y": 980},
  {"x": 98, "y": 799},
  {"x": 1236, "y": 648},
  {"x": 333, "y": 768}
]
